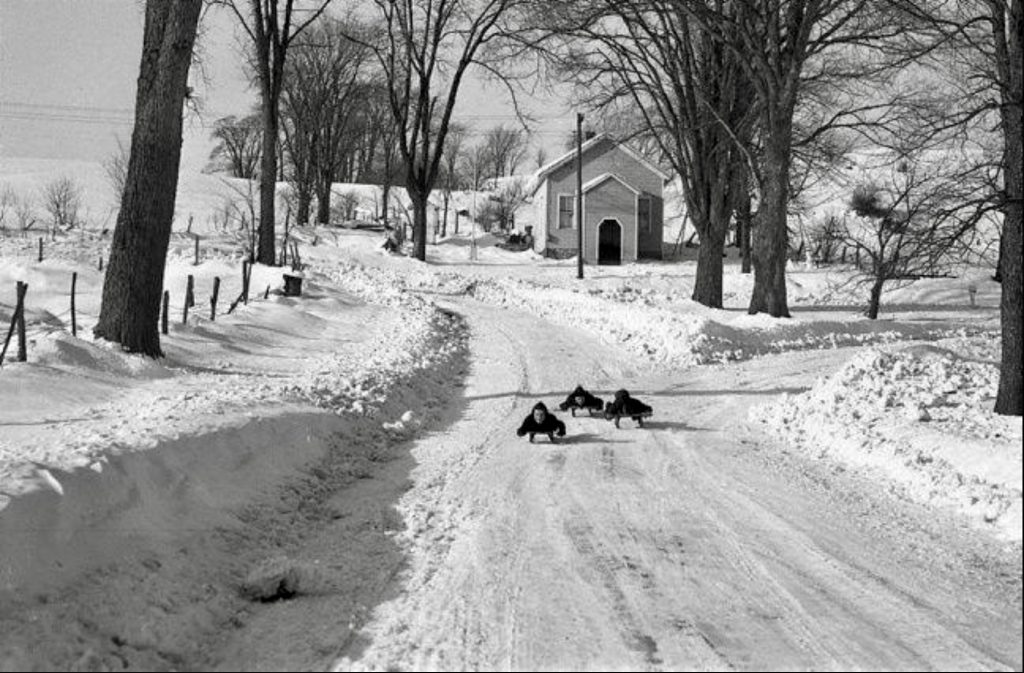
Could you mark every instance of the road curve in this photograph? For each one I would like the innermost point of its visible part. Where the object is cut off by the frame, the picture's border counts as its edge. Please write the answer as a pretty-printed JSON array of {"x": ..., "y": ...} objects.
[{"x": 690, "y": 544}]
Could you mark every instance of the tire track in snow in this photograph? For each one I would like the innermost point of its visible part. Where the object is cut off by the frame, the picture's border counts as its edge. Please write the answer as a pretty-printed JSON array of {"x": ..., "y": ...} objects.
[{"x": 644, "y": 549}]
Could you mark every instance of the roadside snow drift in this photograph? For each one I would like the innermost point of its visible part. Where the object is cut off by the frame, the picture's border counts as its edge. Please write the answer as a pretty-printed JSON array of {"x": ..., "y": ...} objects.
[{"x": 920, "y": 417}]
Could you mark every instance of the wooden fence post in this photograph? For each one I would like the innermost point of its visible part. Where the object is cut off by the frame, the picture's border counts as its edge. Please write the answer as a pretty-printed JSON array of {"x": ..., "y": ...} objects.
[
  {"x": 197, "y": 251},
  {"x": 20, "y": 310},
  {"x": 74, "y": 322},
  {"x": 246, "y": 274},
  {"x": 188, "y": 300},
  {"x": 213, "y": 299},
  {"x": 100, "y": 267},
  {"x": 163, "y": 314},
  {"x": 40, "y": 248},
  {"x": 15, "y": 319}
]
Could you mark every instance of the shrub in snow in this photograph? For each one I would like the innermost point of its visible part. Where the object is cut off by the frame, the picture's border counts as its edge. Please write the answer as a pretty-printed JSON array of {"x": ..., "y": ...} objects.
[
  {"x": 280, "y": 578},
  {"x": 62, "y": 198}
]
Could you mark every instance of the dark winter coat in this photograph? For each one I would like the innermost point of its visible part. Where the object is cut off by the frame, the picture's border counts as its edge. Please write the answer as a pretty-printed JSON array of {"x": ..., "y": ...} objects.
[
  {"x": 624, "y": 405},
  {"x": 589, "y": 401},
  {"x": 549, "y": 425}
]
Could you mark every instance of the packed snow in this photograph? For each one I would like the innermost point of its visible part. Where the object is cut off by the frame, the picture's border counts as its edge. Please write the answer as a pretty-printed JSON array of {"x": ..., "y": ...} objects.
[
  {"x": 373, "y": 351},
  {"x": 642, "y": 307},
  {"x": 921, "y": 417}
]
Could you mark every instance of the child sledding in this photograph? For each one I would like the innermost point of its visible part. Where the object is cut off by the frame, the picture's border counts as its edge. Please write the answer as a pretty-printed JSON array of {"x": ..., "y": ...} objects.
[
  {"x": 581, "y": 399},
  {"x": 627, "y": 406},
  {"x": 541, "y": 422}
]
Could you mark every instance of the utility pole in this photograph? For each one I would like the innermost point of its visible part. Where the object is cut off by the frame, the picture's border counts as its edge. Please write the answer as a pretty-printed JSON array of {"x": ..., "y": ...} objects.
[{"x": 579, "y": 195}]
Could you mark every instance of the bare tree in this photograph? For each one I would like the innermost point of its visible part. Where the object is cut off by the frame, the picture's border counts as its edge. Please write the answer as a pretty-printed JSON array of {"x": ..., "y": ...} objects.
[
  {"x": 272, "y": 26},
  {"x": 451, "y": 163},
  {"x": 342, "y": 76},
  {"x": 116, "y": 168},
  {"x": 62, "y": 198},
  {"x": 506, "y": 149},
  {"x": 540, "y": 158},
  {"x": 474, "y": 166},
  {"x": 133, "y": 286},
  {"x": 240, "y": 215},
  {"x": 324, "y": 76},
  {"x": 776, "y": 41},
  {"x": 500, "y": 207},
  {"x": 381, "y": 134},
  {"x": 692, "y": 101},
  {"x": 25, "y": 213},
  {"x": 918, "y": 221},
  {"x": 426, "y": 48},
  {"x": 239, "y": 143},
  {"x": 1007, "y": 24},
  {"x": 8, "y": 202},
  {"x": 983, "y": 38}
]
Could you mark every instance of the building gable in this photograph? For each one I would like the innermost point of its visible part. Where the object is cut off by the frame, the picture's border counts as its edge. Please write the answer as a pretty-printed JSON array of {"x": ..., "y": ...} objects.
[{"x": 596, "y": 150}]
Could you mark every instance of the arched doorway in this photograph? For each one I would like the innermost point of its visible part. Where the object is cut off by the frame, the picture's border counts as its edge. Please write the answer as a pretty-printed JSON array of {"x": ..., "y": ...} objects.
[{"x": 609, "y": 242}]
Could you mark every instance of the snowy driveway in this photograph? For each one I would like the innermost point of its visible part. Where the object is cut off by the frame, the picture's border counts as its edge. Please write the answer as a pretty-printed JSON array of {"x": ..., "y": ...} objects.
[{"x": 677, "y": 546}]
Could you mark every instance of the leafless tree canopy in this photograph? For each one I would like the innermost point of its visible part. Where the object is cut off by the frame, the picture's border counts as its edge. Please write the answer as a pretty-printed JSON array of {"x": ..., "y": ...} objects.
[
  {"x": 326, "y": 81},
  {"x": 272, "y": 26},
  {"x": 425, "y": 49},
  {"x": 237, "y": 151},
  {"x": 506, "y": 148}
]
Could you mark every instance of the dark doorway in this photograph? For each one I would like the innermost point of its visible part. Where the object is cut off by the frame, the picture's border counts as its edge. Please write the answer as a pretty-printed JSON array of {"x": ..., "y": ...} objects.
[{"x": 609, "y": 239}]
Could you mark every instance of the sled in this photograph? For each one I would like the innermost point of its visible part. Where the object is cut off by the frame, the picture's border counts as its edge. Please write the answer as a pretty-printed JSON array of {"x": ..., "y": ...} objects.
[
  {"x": 639, "y": 417},
  {"x": 551, "y": 436},
  {"x": 593, "y": 411}
]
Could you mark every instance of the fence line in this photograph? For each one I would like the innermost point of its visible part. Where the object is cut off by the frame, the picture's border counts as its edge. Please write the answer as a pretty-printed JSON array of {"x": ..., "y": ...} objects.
[{"x": 18, "y": 324}]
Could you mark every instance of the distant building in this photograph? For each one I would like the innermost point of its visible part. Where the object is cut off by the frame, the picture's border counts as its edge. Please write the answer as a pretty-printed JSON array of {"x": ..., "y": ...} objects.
[{"x": 623, "y": 205}]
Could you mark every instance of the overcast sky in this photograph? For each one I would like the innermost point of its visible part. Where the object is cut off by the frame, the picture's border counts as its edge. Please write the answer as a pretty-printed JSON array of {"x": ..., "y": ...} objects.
[{"x": 68, "y": 70}]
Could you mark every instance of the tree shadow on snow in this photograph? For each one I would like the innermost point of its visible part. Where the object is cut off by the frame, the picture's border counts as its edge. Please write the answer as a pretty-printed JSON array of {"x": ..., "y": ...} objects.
[
  {"x": 588, "y": 438},
  {"x": 670, "y": 425},
  {"x": 697, "y": 392}
]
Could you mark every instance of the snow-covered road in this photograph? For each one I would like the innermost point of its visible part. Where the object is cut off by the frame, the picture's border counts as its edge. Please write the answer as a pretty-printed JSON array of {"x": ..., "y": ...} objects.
[
  {"x": 680, "y": 546},
  {"x": 694, "y": 543}
]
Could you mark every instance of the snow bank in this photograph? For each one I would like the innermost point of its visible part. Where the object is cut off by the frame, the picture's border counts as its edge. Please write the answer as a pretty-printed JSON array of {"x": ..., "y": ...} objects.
[
  {"x": 637, "y": 320},
  {"x": 424, "y": 338},
  {"x": 919, "y": 417},
  {"x": 79, "y": 400}
]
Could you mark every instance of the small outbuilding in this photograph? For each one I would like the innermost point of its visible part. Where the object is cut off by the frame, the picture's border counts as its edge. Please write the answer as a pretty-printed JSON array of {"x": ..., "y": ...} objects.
[{"x": 623, "y": 205}]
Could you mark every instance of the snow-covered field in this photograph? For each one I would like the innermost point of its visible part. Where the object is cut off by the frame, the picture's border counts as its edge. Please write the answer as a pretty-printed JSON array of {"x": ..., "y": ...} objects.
[{"x": 372, "y": 352}]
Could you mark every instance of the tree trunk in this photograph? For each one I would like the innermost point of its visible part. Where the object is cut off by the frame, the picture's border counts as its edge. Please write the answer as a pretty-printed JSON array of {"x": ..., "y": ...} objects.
[
  {"x": 323, "y": 201},
  {"x": 133, "y": 286},
  {"x": 707, "y": 287},
  {"x": 305, "y": 199},
  {"x": 998, "y": 276},
  {"x": 419, "y": 224},
  {"x": 747, "y": 224},
  {"x": 876, "y": 297},
  {"x": 1010, "y": 398},
  {"x": 444, "y": 220},
  {"x": 741, "y": 210},
  {"x": 770, "y": 239},
  {"x": 268, "y": 183},
  {"x": 385, "y": 189}
]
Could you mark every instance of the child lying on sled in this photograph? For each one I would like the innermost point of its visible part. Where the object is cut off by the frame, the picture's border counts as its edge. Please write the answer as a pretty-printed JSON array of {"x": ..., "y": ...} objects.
[
  {"x": 583, "y": 400},
  {"x": 624, "y": 405},
  {"x": 541, "y": 422}
]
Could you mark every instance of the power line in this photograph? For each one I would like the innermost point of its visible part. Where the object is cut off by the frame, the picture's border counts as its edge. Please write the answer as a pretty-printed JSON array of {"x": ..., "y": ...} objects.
[
  {"x": 67, "y": 118},
  {"x": 68, "y": 108}
]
